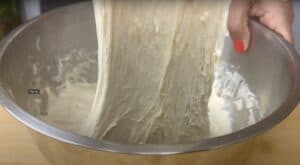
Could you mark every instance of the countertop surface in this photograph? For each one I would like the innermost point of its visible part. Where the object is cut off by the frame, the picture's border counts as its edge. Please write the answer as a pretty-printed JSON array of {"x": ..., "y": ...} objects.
[
  {"x": 16, "y": 144},
  {"x": 280, "y": 145}
]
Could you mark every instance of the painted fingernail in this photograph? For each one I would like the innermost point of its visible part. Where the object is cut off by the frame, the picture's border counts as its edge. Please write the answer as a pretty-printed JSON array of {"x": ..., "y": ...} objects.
[{"x": 239, "y": 46}]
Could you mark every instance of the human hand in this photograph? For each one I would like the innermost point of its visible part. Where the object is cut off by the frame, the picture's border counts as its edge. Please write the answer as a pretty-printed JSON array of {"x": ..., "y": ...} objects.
[{"x": 277, "y": 15}]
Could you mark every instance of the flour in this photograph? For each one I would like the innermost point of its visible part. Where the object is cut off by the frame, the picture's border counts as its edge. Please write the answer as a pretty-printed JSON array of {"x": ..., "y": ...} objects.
[
  {"x": 65, "y": 98},
  {"x": 70, "y": 108},
  {"x": 230, "y": 94}
]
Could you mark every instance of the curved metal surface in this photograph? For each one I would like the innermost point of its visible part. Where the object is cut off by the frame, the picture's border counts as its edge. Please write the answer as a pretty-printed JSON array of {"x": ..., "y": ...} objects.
[{"x": 293, "y": 95}]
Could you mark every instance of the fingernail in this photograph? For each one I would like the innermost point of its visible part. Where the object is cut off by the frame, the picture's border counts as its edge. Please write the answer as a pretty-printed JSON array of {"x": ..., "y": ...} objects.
[{"x": 238, "y": 46}]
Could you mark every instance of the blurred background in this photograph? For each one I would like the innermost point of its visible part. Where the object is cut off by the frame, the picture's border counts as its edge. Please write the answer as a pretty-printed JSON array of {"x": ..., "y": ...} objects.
[
  {"x": 15, "y": 12},
  {"x": 9, "y": 16}
]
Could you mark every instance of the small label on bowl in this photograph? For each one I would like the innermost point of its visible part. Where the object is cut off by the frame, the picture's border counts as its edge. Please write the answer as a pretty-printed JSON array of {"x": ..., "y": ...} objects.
[{"x": 33, "y": 91}]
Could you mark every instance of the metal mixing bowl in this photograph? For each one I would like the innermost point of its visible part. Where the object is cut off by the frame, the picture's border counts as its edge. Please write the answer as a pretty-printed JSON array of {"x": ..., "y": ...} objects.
[{"x": 271, "y": 67}]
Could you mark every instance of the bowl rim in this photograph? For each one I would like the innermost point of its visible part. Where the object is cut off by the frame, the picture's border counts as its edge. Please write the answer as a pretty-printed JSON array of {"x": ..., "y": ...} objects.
[{"x": 48, "y": 130}]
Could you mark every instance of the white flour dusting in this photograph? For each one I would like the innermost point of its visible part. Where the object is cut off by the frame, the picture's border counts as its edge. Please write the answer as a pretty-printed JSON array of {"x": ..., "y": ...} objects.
[
  {"x": 70, "y": 108},
  {"x": 230, "y": 92}
]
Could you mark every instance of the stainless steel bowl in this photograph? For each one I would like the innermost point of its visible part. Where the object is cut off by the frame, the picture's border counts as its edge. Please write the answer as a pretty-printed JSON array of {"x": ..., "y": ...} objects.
[{"x": 272, "y": 68}]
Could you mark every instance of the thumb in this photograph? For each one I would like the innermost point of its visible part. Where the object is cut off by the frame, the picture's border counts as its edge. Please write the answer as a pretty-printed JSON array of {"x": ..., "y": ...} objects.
[{"x": 238, "y": 24}]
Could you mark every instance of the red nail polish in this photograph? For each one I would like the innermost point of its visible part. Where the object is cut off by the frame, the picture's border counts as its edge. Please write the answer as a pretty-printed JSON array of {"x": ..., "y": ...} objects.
[{"x": 239, "y": 46}]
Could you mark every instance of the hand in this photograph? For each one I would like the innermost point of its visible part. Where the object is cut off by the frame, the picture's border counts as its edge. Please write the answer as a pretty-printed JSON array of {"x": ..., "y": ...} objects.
[{"x": 277, "y": 15}]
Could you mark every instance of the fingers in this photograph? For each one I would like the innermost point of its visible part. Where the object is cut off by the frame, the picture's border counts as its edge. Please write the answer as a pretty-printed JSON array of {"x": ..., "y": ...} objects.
[
  {"x": 276, "y": 15},
  {"x": 280, "y": 26},
  {"x": 238, "y": 24},
  {"x": 284, "y": 24},
  {"x": 257, "y": 11}
]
